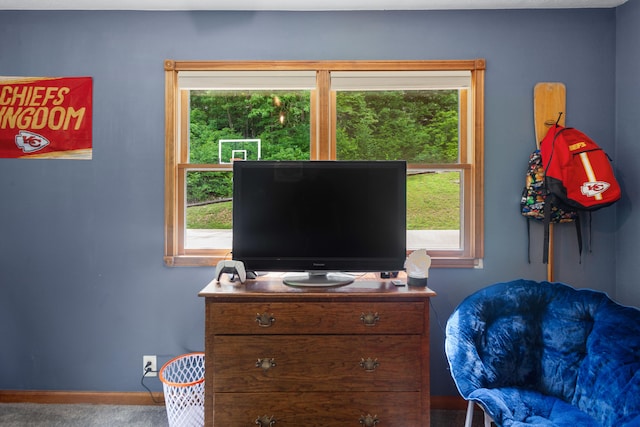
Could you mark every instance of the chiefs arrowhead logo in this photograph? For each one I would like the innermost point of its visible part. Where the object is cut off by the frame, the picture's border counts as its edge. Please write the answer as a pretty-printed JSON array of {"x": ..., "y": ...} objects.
[
  {"x": 30, "y": 142},
  {"x": 594, "y": 188}
]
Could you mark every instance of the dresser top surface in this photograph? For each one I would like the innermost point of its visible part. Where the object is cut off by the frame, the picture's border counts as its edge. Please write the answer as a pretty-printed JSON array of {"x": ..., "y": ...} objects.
[{"x": 270, "y": 285}]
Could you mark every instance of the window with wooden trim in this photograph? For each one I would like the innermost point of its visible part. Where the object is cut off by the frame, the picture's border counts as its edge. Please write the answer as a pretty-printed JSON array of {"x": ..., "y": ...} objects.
[{"x": 429, "y": 113}]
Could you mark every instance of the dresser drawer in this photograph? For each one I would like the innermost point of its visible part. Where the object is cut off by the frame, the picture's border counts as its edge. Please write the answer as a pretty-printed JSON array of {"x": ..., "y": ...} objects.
[
  {"x": 317, "y": 409},
  {"x": 317, "y": 318},
  {"x": 316, "y": 363}
]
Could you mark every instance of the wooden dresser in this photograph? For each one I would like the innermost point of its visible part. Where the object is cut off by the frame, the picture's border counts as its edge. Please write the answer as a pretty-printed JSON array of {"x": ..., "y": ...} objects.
[{"x": 278, "y": 356}]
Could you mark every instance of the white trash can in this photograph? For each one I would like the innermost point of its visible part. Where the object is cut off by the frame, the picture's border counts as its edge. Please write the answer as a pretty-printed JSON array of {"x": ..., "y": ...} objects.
[{"x": 183, "y": 384}]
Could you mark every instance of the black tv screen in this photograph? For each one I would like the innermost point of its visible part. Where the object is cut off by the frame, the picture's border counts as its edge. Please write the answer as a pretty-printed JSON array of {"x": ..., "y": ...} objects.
[{"x": 319, "y": 217}]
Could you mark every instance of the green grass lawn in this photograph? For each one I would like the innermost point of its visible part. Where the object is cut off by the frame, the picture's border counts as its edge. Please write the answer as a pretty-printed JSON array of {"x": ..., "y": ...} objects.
[{"x": 433, "y": 203}]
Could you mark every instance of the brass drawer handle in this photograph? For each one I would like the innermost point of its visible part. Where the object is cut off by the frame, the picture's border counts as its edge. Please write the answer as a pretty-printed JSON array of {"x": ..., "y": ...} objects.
[
  {"x": 265, "y": 320},
  {"x": 370, "y": 319},
  {"x": 369, "y": 420},
  {"x": 266, "y": 364},
  {"x": 265, "y": 421},
  {"x": 369, "y": 364}
]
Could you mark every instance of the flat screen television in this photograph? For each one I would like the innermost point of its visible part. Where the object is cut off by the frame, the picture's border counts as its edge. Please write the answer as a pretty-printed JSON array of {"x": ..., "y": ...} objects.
[{"x": 319, "y": 218}]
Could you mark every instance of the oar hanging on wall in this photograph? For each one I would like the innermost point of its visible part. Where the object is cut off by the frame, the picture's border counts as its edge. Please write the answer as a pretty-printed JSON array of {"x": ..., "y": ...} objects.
[{"x": 549, "y": 103}]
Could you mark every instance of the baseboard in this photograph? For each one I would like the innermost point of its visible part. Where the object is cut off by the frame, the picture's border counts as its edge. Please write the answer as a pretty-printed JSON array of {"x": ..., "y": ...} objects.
[
  {"x": 143, "y": 398},
  {"x": 70, "y": 397}
]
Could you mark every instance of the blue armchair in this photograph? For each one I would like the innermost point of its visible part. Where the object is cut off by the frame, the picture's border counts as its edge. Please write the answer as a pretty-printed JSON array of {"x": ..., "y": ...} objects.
[{"x": 545, "y": 354}]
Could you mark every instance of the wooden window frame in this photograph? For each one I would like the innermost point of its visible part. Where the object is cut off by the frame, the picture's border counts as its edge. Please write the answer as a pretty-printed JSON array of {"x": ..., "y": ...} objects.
[{"x": 323, "y": 145}]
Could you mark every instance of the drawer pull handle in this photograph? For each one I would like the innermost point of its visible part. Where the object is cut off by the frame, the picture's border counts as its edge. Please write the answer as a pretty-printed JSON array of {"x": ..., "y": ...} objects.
[
  {"x": 265, "y": 421},
  {"x": 265, "y": 320},
  {"x": 266, "y": 364},
  {"x": 369, "y": 420},
  {"x": 369, "y": 364},
  {"x": 370, "y": 319}
]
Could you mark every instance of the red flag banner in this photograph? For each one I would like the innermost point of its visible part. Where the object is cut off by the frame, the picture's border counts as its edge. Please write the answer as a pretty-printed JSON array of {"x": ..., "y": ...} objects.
[{"x": 46, "y": 117}]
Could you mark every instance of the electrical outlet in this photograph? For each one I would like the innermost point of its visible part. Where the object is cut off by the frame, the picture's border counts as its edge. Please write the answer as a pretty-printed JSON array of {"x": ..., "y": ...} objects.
[{"x": 152, "y": 368}]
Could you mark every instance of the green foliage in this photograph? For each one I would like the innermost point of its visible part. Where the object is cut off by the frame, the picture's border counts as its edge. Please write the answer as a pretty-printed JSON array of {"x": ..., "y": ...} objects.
[
  {"x": 279, "y": 119},
  {"x": 417, "y": 126},
  {"x": 207, "y": 186}
]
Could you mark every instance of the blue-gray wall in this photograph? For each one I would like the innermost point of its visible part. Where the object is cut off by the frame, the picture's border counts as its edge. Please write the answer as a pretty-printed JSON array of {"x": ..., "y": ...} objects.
[
  {"x": 83, "y": 289},
  {"x": 628, "y": 151}
]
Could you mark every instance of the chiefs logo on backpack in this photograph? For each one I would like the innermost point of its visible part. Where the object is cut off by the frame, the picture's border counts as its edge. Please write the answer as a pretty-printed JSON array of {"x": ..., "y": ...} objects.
[{"x": 577, "y": 170}]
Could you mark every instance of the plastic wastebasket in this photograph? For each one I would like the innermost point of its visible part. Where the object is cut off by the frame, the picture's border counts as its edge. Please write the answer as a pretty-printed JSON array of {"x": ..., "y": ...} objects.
[{"x": 183, "y": 385}]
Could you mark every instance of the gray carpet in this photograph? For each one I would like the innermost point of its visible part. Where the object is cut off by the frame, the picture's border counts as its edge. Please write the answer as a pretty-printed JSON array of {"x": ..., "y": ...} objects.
[{"x": 34, "y": 415}]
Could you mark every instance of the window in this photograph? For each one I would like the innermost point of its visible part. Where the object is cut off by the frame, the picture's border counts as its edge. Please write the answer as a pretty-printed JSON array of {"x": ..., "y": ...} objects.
[{"x": 429, "y": 113}]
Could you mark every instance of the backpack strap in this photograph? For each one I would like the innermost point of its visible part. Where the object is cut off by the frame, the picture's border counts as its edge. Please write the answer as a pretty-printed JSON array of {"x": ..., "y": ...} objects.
[
  {"x": 529, "y": 240},
  {"x": 579, "y": 235},
  {"x": 546, "y": 221}
]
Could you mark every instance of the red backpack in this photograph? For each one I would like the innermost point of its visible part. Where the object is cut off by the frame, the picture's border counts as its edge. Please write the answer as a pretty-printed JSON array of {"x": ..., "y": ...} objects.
[{"x": 577, "y": 170}]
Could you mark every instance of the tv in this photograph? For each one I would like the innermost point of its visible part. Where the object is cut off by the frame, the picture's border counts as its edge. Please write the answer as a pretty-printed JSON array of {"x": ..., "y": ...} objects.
[{"x": 319, "y": 220}]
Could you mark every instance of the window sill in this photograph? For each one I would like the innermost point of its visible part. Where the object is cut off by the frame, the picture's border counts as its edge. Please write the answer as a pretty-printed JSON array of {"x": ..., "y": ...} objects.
[{"x": 211, "y": 261}]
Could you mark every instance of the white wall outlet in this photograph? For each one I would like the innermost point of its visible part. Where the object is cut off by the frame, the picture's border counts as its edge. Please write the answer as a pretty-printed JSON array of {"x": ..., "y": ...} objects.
[{"x": 152, "y": 369}]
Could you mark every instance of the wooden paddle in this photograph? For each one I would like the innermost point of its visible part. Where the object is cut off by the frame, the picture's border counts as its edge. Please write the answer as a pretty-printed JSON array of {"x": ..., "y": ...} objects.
[
  {"x": 549, "y": 107},
  {"x": 549, "y": 101}
]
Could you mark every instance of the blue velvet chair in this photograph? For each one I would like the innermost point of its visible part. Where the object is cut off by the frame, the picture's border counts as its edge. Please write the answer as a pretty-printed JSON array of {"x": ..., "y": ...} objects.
[{"x": 545, "y": 354}]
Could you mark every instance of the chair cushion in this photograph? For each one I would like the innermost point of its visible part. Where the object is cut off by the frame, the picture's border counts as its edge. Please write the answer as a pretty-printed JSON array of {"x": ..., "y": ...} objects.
[
  {"x": 551, "y": 343},
  {"x": 608, "y": 379},
  {"x": 516, "y": 407}
]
